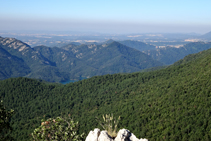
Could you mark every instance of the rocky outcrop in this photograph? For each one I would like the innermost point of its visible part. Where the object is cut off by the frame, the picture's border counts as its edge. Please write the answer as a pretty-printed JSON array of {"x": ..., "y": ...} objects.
[
  {"x": 93, "y": 135},
  {"x": 14, "y": 43},
  {"x": 104, "y": 136},
  {"x": 123, "y": 135}
]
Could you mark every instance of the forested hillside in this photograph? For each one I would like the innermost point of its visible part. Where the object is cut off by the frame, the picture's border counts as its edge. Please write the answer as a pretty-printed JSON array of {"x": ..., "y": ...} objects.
[
  {"x": 92, "y": 60},
  {"x": 11, "y": 66},
  {"x": 167, "y": 104},
  {"x": 170, "y": 55},
  {"x": 69, "y": 62}
]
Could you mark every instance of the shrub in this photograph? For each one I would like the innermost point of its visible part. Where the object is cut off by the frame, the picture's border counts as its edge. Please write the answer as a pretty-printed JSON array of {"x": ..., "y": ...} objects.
[
  {"x": 64, "y": 129},
  {"x": 109, "y": 124}
]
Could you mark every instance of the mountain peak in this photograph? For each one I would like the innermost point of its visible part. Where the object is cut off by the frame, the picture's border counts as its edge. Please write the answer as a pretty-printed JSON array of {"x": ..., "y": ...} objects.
[
  {"x": 115, "y": 43},
  {"x": 206, "y": 35},
  {"x": 108, "y": 41}
]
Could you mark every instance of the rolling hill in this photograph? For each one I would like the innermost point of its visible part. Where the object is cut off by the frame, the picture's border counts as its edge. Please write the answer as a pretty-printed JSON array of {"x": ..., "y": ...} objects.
[
  {"x": 72, "y": 61},
  {"x": 166, "y": 104}
]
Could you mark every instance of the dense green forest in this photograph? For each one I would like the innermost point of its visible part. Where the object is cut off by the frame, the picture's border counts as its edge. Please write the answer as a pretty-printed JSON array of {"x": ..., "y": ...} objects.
[{"x": 166, "y": 104}]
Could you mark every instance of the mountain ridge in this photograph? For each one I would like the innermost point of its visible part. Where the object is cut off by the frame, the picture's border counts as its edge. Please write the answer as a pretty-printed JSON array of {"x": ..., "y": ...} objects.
[
  {"x": 169, "y": 55},
  {"x": 72, "y": 61},
  {"x": 171, "y": 103}
]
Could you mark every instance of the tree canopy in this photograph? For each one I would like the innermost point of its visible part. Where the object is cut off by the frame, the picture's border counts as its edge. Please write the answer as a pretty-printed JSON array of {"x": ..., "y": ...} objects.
[
  {"x": 171, "y": 103},
  {"x": 5, "y": 127}
]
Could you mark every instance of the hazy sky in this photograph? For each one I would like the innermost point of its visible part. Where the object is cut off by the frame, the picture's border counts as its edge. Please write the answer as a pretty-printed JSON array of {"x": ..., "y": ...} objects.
[{"x": 116, "y": 16}]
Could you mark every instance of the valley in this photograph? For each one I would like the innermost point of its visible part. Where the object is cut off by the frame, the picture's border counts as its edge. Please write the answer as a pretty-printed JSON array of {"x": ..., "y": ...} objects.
[
  {"x": 72, "y": 60},
  {"x": 159, "y": 93},
  {"x": 171, "y": 103}
]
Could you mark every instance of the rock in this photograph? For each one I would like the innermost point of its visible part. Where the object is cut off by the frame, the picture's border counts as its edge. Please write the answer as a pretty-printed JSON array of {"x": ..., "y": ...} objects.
[
  {"x": 133, "y": 138},
  {"x": 104, "y": 136},
  {"x": 123, "y": 135},
  {"x": 93, "y": 135},
  {"x": 143, "y": 139}
]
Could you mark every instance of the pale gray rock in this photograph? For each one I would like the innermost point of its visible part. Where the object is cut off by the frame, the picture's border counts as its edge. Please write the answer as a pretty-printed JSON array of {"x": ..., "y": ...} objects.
[
  {"x": 123, "y": 135},
  {"x": 134, "y": 138},
  {"x": 143, "y": 139},
  {"x": 93, "y": 135},
  {"x": 104, "y": 136}
]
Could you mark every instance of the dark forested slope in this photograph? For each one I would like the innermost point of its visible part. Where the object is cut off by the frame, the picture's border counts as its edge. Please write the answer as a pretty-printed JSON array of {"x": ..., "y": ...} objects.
[
  {"x": 171, "y": 103},
  {"x": 11, "y": 66}
]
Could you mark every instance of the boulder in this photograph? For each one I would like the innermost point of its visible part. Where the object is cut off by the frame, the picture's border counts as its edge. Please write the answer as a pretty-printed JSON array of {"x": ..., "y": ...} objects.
[
  {"x": 123, "y": 135},
  {"x": 93, "y": 135},
  {"x": 133, "y": 138},
  {"x": 104, "y": 136}
]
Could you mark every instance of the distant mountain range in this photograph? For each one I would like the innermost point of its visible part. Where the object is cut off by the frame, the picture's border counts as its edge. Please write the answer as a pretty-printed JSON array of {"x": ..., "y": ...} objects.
[
  {"x": 73, "y": 61},
  {"x": 70, "y": 61},
  {"x": 206, "y": 36},
  {"x": 169, "y": 55},
  {"x": 138, "y": 45},
  {"x": 167, "y": 104}
]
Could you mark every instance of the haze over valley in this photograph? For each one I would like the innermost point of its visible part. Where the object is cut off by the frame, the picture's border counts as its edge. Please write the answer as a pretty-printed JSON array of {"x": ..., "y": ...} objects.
[{"x": 58, "y": 39}]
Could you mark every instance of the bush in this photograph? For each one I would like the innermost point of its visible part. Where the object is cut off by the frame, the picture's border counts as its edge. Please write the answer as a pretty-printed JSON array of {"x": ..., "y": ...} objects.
[
  {"x": 109, "y": 124},
  {"x": 64, "y": 129}
]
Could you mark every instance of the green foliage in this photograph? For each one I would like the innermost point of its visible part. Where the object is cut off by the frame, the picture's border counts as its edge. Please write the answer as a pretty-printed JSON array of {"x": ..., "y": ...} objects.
[
  {"x": 5, "y": 127},
  {"x": 171, "y": 103},
  {"x": 64, "y": 129},
  {"x": 109, "y": 124}
]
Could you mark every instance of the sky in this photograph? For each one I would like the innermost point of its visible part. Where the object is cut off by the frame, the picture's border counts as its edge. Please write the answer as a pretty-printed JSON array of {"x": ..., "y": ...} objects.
[{"x": 107, "y": 16}]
